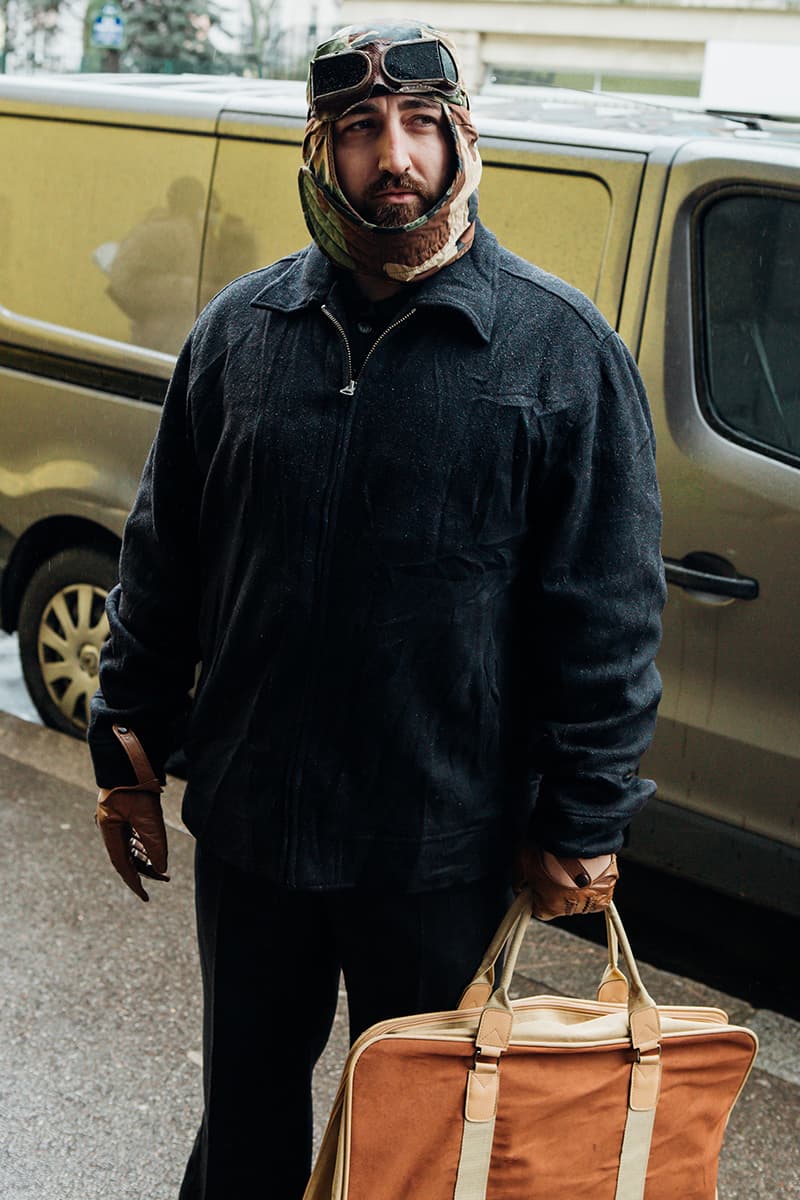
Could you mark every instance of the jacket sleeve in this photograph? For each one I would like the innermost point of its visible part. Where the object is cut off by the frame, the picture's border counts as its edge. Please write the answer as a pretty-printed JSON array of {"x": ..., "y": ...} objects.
[
  {"x": 597, "y": 589},
  {"x": 147, "y": 664}
]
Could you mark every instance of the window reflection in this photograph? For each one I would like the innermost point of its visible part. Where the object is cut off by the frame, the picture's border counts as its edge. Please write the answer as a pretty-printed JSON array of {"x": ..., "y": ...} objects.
[{"x": 751, "y": 265}]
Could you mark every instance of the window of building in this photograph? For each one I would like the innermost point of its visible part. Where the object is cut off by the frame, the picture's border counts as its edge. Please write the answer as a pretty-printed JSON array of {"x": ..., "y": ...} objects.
[
  {"x": 597, "y": 81},
  {"x": 749, "y": 260}
]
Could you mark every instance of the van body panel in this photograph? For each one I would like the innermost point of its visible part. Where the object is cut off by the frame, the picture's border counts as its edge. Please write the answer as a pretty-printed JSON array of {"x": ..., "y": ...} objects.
[
  {"x": 729, "y": 746},
  {"x": 643, "y": 245},
  {"x": 101, "y": 102},
  {"x": 118, "y": 257},
  {"x": 573, "y": 219},
  {"x": 50, "y": 466},
  {"x": 254, "y": 213},
  {"x": 40, "y": 338},
  {"x": 262, "y": 127}
]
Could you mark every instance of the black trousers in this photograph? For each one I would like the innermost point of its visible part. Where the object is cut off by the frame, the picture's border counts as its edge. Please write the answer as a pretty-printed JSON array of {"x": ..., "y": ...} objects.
[{"x": 270, "y": 960}]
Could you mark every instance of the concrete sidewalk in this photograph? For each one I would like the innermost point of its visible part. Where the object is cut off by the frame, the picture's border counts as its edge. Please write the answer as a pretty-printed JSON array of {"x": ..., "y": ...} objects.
[{"x": 100, "y": 1028}]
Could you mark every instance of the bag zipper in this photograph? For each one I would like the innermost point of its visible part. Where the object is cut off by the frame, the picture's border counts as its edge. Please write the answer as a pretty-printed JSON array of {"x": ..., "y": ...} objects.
[{"x": 712, "y": 1016}]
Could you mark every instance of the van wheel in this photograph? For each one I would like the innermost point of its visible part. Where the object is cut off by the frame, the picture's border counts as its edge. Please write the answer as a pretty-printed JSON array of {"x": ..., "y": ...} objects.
[{"x": 62, "y": 625}]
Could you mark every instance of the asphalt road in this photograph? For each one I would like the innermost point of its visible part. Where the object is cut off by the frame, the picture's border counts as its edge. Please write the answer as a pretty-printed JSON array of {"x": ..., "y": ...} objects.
[
  {"x": 100, "y": 1021},
  {"x": 100, "y": 1063}
]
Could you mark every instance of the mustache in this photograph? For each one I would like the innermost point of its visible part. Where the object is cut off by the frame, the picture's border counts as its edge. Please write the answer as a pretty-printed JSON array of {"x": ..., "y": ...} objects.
[{"x": 388, "y": 182}]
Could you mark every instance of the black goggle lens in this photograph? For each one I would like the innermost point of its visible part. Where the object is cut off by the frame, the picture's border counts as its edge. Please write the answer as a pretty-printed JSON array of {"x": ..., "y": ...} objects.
[
  {"x": 449, "y": 64},
  {"x": 415, "y": 61},
  {"x": 338, "y": 73}
]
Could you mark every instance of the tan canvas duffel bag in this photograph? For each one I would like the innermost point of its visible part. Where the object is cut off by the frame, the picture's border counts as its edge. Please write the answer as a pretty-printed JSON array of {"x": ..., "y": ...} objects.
[{"x": 546, "y": 1098}]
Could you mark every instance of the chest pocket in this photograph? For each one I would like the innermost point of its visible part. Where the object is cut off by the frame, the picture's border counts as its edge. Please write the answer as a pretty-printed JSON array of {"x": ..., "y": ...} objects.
[{"x": 439, "y": 480}]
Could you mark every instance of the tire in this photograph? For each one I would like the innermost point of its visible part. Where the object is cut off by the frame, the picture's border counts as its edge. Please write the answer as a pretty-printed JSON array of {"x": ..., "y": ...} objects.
[{"x": 62, "y": 625}]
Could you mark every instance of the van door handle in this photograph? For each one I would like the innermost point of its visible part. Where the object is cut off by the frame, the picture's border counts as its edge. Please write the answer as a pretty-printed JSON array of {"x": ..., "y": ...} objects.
[{"x": 703, "y": 572}]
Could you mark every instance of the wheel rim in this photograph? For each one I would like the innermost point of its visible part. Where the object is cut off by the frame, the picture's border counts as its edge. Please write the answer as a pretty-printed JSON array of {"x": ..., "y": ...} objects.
[{"x": 73, "y": 627}]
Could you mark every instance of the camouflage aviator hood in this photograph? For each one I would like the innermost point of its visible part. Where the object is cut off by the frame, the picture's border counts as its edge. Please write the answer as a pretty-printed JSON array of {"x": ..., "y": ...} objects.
[{"x": 401, "y": 57}]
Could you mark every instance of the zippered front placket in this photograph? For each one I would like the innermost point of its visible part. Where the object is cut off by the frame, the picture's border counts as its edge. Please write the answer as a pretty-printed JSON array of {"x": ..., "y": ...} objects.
[
  {"x": 350, "y": 386},
  {"x": 323, "y": 561}
]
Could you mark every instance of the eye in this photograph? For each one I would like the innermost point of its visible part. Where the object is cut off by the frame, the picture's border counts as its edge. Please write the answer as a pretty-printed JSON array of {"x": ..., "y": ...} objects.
[
  {"x": 361, "y": 125},
  {"x": 425, "y": 120}
]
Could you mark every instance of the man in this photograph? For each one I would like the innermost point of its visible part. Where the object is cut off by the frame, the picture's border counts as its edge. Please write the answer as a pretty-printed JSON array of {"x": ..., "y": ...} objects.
[{"x": 402, "y": 506}]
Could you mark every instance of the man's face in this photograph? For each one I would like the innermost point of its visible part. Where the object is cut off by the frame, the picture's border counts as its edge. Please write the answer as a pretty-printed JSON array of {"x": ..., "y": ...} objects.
[{"x": 394, "y": 157}]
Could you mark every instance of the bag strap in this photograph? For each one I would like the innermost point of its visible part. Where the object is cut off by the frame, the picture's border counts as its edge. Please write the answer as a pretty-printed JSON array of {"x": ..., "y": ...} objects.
[
  {"x": 613, "y": 987},
  {"x": 146, "y": 778},
  {"x": 493, "y": 1036},
  {"x": 480, "y": 988}
]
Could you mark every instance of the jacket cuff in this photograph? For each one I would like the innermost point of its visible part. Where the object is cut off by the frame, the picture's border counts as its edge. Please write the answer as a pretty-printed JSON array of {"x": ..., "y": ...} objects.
[
  {"x": 586, "y": 817},
  {"x": 112, "y": 767}
]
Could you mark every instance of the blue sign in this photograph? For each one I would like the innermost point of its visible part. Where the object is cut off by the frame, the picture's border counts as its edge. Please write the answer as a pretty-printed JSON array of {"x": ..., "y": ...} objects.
[{"x": 108, "y": 28}]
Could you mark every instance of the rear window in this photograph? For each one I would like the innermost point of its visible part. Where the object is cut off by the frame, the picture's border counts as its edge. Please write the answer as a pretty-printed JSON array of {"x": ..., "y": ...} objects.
[
  {"x": 749, "y": 263},
  {"x": 556, "y": 219},
  {"x": 101, "y": 228}
]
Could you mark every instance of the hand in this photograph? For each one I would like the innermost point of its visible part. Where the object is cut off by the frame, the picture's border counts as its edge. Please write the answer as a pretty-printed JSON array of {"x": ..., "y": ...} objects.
[
  {"x": 565, "y": 887},
  {"x": 132, "y": 827}
]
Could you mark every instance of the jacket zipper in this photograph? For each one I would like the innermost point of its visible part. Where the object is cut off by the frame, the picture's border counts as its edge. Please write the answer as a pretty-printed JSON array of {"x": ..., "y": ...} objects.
[
  {"x": 350, "y": 386},
  {"x": 289, "y": 871}
]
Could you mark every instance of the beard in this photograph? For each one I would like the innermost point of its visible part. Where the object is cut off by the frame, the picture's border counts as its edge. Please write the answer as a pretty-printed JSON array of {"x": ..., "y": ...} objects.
[{"x": 379, "y": 211}]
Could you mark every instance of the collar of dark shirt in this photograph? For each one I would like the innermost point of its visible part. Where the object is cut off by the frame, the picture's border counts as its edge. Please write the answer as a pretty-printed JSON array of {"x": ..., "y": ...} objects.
[
  {"x": 468, "y": 285},
  {"x": 365, "y": 320}
]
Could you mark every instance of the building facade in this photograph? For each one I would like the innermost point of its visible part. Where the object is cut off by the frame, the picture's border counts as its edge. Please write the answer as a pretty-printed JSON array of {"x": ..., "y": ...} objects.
[{"x": 603, "y": 45}]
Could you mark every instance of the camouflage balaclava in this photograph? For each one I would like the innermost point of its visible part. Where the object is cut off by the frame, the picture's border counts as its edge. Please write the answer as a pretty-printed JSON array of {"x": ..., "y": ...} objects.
[{"x": 401, "y": 57}]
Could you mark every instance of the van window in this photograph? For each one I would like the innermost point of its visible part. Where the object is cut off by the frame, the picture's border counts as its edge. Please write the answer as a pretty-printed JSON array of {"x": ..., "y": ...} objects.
[
  {"x": 556, "y": 219},
  {"x": 118, "y": 256},
  {"x": 750, "y": 301},
  {"x": 254, "y": 212}
]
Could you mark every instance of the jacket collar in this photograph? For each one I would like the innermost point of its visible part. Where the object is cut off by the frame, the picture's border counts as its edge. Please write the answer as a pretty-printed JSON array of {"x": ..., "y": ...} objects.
[{"x": 468, "y": 285}]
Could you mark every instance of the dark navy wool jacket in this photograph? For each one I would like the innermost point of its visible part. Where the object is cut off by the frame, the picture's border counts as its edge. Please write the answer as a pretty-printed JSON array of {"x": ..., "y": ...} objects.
[{"x": 426, "y": 607}]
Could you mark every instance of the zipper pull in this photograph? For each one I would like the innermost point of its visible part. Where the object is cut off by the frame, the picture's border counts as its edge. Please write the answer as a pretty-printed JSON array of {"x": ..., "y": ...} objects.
[{"x": 349, "y": 389}]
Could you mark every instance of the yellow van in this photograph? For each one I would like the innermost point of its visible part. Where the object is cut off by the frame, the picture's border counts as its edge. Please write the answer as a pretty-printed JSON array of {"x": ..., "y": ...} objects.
[{"x": 126, "y": 203}]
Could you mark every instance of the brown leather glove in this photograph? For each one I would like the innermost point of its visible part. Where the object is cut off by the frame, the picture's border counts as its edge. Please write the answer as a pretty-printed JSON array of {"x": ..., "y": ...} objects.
[
  {"x": 565, "y": 887},
  {"x": 132, "y": 826},
  {"x": 131, "y": 822}
]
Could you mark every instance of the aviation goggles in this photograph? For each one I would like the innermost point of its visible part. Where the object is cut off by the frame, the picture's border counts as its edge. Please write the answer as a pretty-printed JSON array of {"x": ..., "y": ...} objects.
[{"x": 341, "y": 79}]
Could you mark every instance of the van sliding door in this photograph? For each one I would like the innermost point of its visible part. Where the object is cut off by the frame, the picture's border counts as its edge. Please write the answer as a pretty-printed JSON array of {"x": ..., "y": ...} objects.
[
  {"x": 569, "y": 210},
  {"x": 101, "y": 234},
  {"x": 254, "y": 209},
  {"x": 727, "y": 364}
]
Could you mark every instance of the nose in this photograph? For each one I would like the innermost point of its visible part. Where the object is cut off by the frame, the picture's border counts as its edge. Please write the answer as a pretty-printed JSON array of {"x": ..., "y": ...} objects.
[{"x": 393, "y": 148}]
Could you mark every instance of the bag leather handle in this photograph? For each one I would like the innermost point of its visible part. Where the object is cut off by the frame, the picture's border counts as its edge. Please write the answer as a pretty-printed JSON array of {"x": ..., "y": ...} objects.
[
  {"x": 612, "y": 989},
  {"x": 643, "y": 1017},
  {"x": 479, "y": 990}
]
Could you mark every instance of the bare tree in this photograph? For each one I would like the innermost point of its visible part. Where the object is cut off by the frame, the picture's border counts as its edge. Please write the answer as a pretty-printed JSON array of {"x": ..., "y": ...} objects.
[
  {"x": 265, "y": 52},
  {"x": 27, "y": 28}
]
